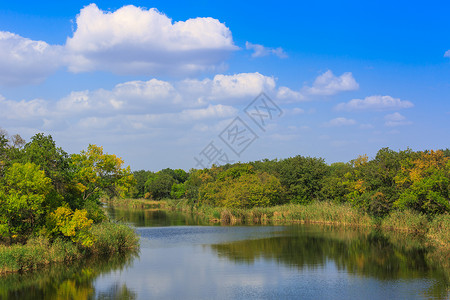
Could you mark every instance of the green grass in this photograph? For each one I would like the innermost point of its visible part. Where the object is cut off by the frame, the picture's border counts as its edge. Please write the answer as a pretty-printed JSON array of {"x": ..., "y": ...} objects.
[
  {"x": 109, "y": 238},
  {"x": 406, "y": 220},
  {"x": 439, "y": 232},
  {"x": 317, "y": 212},
  {"x": 135, "y": 203},
  {"x": 113, "y": 238}
]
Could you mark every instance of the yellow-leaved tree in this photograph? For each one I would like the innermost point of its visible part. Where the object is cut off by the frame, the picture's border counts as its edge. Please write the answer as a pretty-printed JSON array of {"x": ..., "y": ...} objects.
[
  {"x": 425, "y": 183},
  {"x": 98, "y": 173}
]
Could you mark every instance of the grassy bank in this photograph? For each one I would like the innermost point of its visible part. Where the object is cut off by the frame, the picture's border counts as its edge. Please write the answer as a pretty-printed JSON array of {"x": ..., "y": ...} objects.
[
  {"x": 317, "y": 212},
  {"x": 109, "y": 238},
  {"x": 135, "y": 203},
  {"x": 436, "y": 231}
]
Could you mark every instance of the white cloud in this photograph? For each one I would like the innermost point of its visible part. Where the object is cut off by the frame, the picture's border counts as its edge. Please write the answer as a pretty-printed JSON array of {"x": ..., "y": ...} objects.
[
  {"x": 329, "y": 84},
  {"x": 396, "y": 119},
  {"x": 447, "y": 53},
  {"x": 324, "y": 84},
  {"x": 260, "y": 50},
  {"x": 24, "y": 61},
  {"x": 289, "y": 95},
  {"x": 133, "y": 40},
  {"x": 136, "y": 103},
  {"x": 240, "y": 85},
  {"x": 341, "y": 121},
  {"x": 374, "y": 103},
  {"x": 23, "y": 110},
  {"x": 212, "y": 111}
]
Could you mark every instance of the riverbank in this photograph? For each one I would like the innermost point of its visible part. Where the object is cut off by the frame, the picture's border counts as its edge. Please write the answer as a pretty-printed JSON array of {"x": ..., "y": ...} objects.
[
  {"x": 108, "y": 238},
  {"x": 134, "y": 203},
  {"x": 436, "y": 231}
]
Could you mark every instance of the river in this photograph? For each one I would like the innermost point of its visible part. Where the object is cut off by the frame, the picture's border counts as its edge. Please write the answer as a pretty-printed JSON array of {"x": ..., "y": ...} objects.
[{"x": 183, "y": 257}]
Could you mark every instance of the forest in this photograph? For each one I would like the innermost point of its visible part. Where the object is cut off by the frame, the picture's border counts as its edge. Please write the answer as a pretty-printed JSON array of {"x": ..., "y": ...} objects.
[{"x": 391, "y": 181}]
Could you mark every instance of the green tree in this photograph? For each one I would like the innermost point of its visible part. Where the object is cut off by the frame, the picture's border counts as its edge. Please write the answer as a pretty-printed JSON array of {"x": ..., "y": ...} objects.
[
  {"x": 54, "y": 161},
  {"x": 241, "y": 186},
  {"x": 97, "y": 173},
  {"x": 333, "y": 187},
  {"x": 178, "y": 191},
  {"x": 425, "y": 182},
  {"x": 159, "y": 186},
  {"x": 22, "y": 200},
  {"x": 302, "y": 177},
  {"x": 141, "y": 178}
]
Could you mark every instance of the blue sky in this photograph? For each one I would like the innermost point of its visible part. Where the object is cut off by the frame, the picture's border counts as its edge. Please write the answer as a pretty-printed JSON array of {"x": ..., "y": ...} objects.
[{"x": 156, "y": 82}]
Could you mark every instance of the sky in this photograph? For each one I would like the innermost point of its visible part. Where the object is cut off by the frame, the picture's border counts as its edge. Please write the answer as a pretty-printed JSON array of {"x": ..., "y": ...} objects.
[{"x": 185, "y": 84}]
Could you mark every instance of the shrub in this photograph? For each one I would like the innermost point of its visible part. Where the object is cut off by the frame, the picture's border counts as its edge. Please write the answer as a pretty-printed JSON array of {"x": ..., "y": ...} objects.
[
  {"x": 63, "y": 222},
  {"x": 405, "y": 220},
  {"x": 113, "y": 237}
]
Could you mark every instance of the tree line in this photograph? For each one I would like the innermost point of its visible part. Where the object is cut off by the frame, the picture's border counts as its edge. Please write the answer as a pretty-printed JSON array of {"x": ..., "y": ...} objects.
[{"x": 392, "y": 180}]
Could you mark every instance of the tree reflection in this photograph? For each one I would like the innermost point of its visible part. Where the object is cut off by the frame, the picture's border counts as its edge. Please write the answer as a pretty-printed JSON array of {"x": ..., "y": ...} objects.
[
  {"x": 74, "y": 281},
  {"x": 364, "y": 253},
  {"x": 155, "y": 217}
]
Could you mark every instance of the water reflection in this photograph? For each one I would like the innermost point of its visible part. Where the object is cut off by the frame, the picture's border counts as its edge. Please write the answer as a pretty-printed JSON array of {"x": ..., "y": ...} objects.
[
  {"x": 244, "y": 262},
  {"x": 369, "y": 254},
  {"x": 155, "y": 217},
  {"x": 72, "y": 281}
]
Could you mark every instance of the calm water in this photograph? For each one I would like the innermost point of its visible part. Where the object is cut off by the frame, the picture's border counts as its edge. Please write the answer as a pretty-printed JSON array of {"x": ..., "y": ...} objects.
[{"x": 181, "y": 258}]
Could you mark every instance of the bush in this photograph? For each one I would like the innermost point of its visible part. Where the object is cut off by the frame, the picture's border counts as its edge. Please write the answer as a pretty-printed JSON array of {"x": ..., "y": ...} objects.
[
  {"x": 63, "y": 222},
  {"x": 36, "y": 253},
  {"x": 113, "y": 237},
  {"x": 439, "y": 231},
  {"x": 408, "y": 220}
]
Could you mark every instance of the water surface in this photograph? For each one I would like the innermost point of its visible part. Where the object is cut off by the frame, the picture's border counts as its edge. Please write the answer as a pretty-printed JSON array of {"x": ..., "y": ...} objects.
[{"x": 183, "y": 258}]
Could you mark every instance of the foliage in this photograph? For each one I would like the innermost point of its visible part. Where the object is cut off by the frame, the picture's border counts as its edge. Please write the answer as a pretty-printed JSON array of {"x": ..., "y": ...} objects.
[
  {"x": 425, "y": 183},
  {"x": 54, "y": 161},
  {"x": 408, "y": 220},
  {"x": 241, "y": 187},
  {"x": 40, "y": 251},
  {"x": 97, "y": 172},
  {"x": 72, "y": 224},
  {"x": 141, "y": 178},
  {"x": 22, "y": 200},
  {"x": 302, "y": 177},
  {"x": 113, "y": 238},
  {"x": 159, "y": 186},
  {"x": 178, "y": 191},
  {"x": 392, "y": 180}
]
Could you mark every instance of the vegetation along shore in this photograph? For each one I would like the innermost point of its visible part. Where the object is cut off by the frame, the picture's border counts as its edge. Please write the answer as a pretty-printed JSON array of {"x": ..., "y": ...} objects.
[
  {"x": 396, "y": 190},
  {"x": 51, "y": 202},
  {"x": 50, "y": 209}
]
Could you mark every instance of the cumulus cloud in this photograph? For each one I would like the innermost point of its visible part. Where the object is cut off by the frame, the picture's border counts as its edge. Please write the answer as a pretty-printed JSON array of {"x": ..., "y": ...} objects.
[
  {"x": 136, "y": 103},
  {"x": 341, "y": 121},
  {"x": 374, "y": 103},
  {"x": 130, "y": 41},
  {"x": 325, "y": 84},
  {"x": 25, "y": 110},
  {"x": 329, "y": 84},
  {"x": 24, "y": 61},
  {"x": 396, "y": 119},
  {"x": 288, "y": 95},
  {"x": 133, "y": 40},
  {"x": 260, "y": 50},
  {"x": 447, "y": 53},
  {"x": 240, "y": 85}
]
